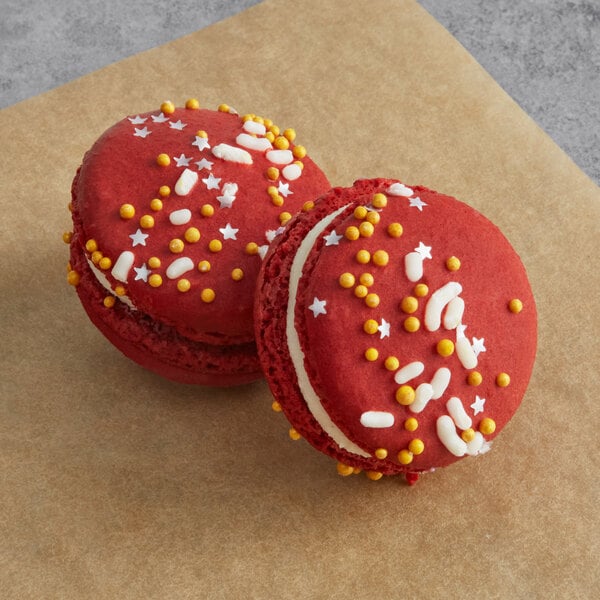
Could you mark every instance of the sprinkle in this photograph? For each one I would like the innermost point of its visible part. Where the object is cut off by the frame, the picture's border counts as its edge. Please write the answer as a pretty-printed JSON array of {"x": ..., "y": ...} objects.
[
  {"x": 147, "y": 222},
  {"x": 366, "y": 229},
  {"x": 464, "y": 351},
  {"x": 96, "y": 256},
  {"x": 163, "y": 160},
  {"x": 279, "y": 157},
  {"x": 276, "y": 407},
  {"x": 251, "y": 248},
  {"x": 360, "y": 212},
  {"x": 253, "y": 143},
  {"x": 363, "y": 257},
  {"x": 109, "y": 301},
  {"x": 73, "y": 278},
  {"x": 291, "y": 172},
  {"x": 284, "y": 217},
  {"x": 67, "y": 237},
  {"x": 468, "y": 435},
  {"x": 294, "y": 435},
  {"x": 207, "y": 210},
  {"x": 105, "y": 263},
  {"x": 167, "y": 108},
  {"x": 457, "y": 411},
  {"x": 270, "y": 136},
  {"x": 384, "y": 329},
  {"x": 299, "y": 151},
  {"x": 274, "y": 129},
  {"x": 454, "y": 313},
  {"x": 437, "y": 302},
  {"x": 371, "y": 354},
  {"x": 399, "y": 189},
  {"x": 409, "y": 304},
  {"x": 272, "y": 173},
  {"x": 183, "y": 285},
  {"x": 127, "y": 211},
  {"x": 453, "y": 263},
  {"x": 352, "y": 233},
  {"x": 372, "y": 300},
  {"x": 186, "y": 182},
  {"x": 289, "y": 134},
  {"x": 308, "y": 206},
  {"x": 367, "y": 279},
  {"x": 409, "y": 371},
  {"x": 374, "y": 475},
  {"x": 440, "y": 381},
  {"x": 347, "y": 280},
  {"x": 416, "y": 446},
  {"x": 370, "y": 326},
  {"x": 207, "y": 295},
  {"x": 223, "y": 108},
  {"x": 445, "y": 348},
  {"x": 381, "y": 453},
  {"x": 232, "y": 154},
  {"x": 91, "y": 245},
  {"x": 405, "y": 457},
  {"x": 180, "y": 217},
  {"x": 156, "y": 204},
  {"x": 123, "y": 265},
  {"x": 391, "y": 363},
  {"x": 379, "y": 200},
  {"x": 254, "y": 127},
  {"x": 477, "y": 445},
  {"x": 120, "y": 290},
  {"x": 417, "y": 203},
  {"x": 487, "y": 426},
  {"x": 164, "y": 191},
  {"x": 374, "y": 419},
  {"x": 138, "y": 238},
  {"x": 474, "y": 378},
  {"x": 411, "y": 324},
  {"x": 281, "y": 143},
  {"x": 179, "y": 266},
  {"x": 381, "y": 258},
  {"x": 215, "y": 245},
  {"x": 155, "y": 280},
  {"x": 192, "y": 235},
  {"x": 361, "y": 291},
  {"x": 204, "y": 266},
  {"x": 395, "y": 230},
  {"x": 502, "y": 379},
  {"x": 478, "y": 405},
  {"x": 446, "y": 432},
  {"x": 237, "y": 274},
  {"x": 413, "y": 266},
  {"x": 176, "y": 246},
  {"x": 318, "y": 307},
  {"x": 515, "y": 306},
  {"x": 344, "y": 470},
  {"x": 423, "y": 394},
  {"x": 411, "y": 424},
  {"x": 192, "y": 104},
  {"x": 405, "y": 395},
  {"x": 228, "y": 232}
]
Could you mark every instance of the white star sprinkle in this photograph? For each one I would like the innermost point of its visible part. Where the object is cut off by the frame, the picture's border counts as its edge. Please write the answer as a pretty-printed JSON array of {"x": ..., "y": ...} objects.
[
  {"x": 423, "y": 250},
  {"x": 477, "y": 406},
  {"x": 332, "y": 239},
  {"x": 460, "y": 330},
  {"x": 160, "y": 118},
  {"x": 137, "y": 120},
  {"x": 226, "y": 200},
  {"x": 143, "y": 133},
  {"x": 204, "y": 164},
  {"x": 262, "y": 250},
  {"x": 318, "y": 307},
  {"x": 271, "y": 234},
  {"x": 228, "y": 232},
  {"x": 284, "y": 189},
  {"x": 142, "y": 272},
  {"x": 478, "y": 345},
  {"x": 182, "y": 160},
  {"x": 212, "y": 182},
  {"x": 201, "y": 143},
  {"x": 138, "y": 238},
  {"x": 384, "y": 329},
  {"x": 417, "y": 203},
  {"x": 177, "y": 125}
]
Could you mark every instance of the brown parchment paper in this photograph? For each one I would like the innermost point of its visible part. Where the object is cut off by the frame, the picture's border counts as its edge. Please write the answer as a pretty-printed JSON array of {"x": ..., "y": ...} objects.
[{"x": 118, "y": 484}]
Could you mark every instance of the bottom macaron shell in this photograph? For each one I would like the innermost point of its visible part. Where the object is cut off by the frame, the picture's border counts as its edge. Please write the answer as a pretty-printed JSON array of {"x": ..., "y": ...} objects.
[
  {"x": 158, "y": 347},
  {"x": 336, "y": 355}
]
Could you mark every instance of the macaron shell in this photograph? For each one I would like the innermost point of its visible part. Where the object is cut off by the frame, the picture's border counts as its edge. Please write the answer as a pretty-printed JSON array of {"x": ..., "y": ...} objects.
[{"x": 330, "y": 323}]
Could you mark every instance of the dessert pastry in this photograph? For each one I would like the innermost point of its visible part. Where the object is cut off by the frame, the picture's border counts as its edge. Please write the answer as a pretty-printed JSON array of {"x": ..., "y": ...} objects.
[
  {"x": 173, "y": 211},
  {"x": 396, "y": 327}
]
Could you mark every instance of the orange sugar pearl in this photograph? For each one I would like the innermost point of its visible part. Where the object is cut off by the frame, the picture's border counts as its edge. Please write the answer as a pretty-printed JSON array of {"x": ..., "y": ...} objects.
[
  {"x": 361, "y": 291},
  {"x": 284, "y": 217},
  {"x": 96, "y": 256},
  {"x": 391, "y": 363},
  {"x": 272, "y": 191},
  {"x": 147, "y": 222},
  {"x": 270, "y": 136},
  {"x": 260, "y": 120},
  {"x": 91, "y": 245},
  {"x": 163, "y": 160},
  {"x": 126, "y": 211},
  {"x": 267, "y": 122},
  {"x": 164, "y": 191},
  {"x": 421, "y": 290},
  {"x": 371, "y": 354},
  {"x": 468, "y": 435},
  {"x": 381, "y": 258},
  {"x": 201, "y": 133},
  {"x": 308, "y": 206},
  {"x": 154, "y": 262},
  {"x": 281, "y": 143},
  {"x": 373, "y": 475},
  {"x": 453, "y": 263},
  {"x": 381, "y": 453},
  {"x": 274, "y": 129},
  {"x": 192, "y": 104},
  {"x": 275, "y": 406},
  {"x": 371, "y": 326},
  {"x": 405, "y": 457},
  {"x": 237, "y": 274},
  {"x": 366, "y": 229},
  {"x": 73, "y": 278},
  {"x": 412, "y": 324},
  {"x": 176, "y": 246},
  {"x": 191, "y": 235},
  {"x": 347, "y": 280},
  {"x": 207, "y": 210},
  {"x": 360, "y": 212},
  {"x": 445, "y": 347},
  {"x": 405, "y": 395},
  {"x": 367, "y": 279},
  {"x": 204, "y": 266},
  {"x": 344, "y": 470},
  {"x": 409, "y": 304},
  {"x": 251, "y": 248},
  {"x": 168, "y": 108},
  {"x": 373, "y": 217},
  {"x": 109, "y": 301},
  {"x": 474, "y": 378},
  {"x": 379, "y": 200},
  {"x": 156, "y": 204},
  {"x": 70, "y": 206},
  {"x": 502, "y": 379},
  {"x": 411, "y": 424},
  {"x": 515, "y": 306},
  {"x": 105, "y": 263},
  {"x": 223, "y": 108},
  {"x": 363, "y": 257},
  {"x": 120, "y": 290},
  {"x": 395, "y": 230},
  {"x": 207, "y": 295},
  {"x": 416, "y": 446},
  {"x": 67, "y": 237},
  {"x": 215, "y": 245},
  {"x": 272, "y": 173},
  {"x": 155, "y": 280},
  {"x": 487, "y": 426},
  {"x": 289, "y": 134},
  {"x": 352, "y": 233},
  {"x": 299, "y": 151},
  {"x": 294, "y": 434},
  {"x": 184, "y": 285},
  {"x": 372, "y": 300}
]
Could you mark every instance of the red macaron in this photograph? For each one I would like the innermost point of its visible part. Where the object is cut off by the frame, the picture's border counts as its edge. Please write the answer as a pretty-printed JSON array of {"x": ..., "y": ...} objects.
[
  {"x": 173, "y": 211},
  {"x": 396, "y": 327}
]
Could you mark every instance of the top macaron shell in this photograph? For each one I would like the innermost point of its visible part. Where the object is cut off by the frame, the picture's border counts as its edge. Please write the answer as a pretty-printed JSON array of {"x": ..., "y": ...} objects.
[
  {"x": 211, "y": 304},
  {"x": 354, "y": 345}
]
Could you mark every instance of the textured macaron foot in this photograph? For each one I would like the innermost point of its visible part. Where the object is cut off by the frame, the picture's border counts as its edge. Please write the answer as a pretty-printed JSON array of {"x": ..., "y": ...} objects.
[
  {"x": 173, "y": 212},
  {"x": 396, "y": 327}
]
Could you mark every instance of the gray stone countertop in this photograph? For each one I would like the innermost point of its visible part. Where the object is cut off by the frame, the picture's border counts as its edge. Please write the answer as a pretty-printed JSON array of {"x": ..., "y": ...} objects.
[{"x": 544, "y": 53}]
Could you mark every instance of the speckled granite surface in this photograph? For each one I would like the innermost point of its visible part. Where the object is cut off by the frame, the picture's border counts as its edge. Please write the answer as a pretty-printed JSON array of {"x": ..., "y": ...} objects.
[{"x": 544, "y": 53}]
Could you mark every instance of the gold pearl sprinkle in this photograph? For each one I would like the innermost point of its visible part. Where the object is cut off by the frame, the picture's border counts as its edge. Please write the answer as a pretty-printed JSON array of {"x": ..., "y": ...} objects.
[
  {"x": 67, "y": 237},
  {"x": 371, "y": 354},
  {"x": 363, "y": 257},
  {"x": 176, "y": 246},
  {"x": 207, "y": 295},
  {"x": 347, "y": 280},
  {"x": 381, "y": 258},
  {"x": 237, "y": 274},
  {"x": 147, "y": 222},
  {"x": 405, "y": 395},
  {"x": 409, "y": 305},
  {"x": 184, "y": 285},
  {"x": 164, "y": 191},
  {"x": 155, "y": 280},
  {"x": 366, "y": 229},
  {"x": 154, "y": 262},
  {"x": 474, "y": 378},
  {"x": 191, "y": 235},
  {"x": 204, "y": 266},
  {"x": 352, "y": 233},
  {"x": 215, "y": 245},
  {"x": 294, "y": 435},
  {"x": 251, "y": 248},
  {"x": 109, "y": 301},
  {"x": 192, "y": 104},
  {"x": 73, "y": 278},
  {"x": 91, "y": 245},
  {"x": 391, "y": 363},
  {"x": 515, "y": 306},
  {"x": 360, "y": 212},
  {"x": 395, "y": 230},
  {"x": 421, "y": 290},
  {"x": 412, "y": 324},
  {"x": 163, "y": 160},
  {"x": 156, "y": 204},
  {"x": 502, "y": 379},
  {"x": 127, "y": 211},
  {"x": 168, "y": 108},
  {"x": 361, "y": 291},
  {"x": 344, "y": 470},
  {"x": 379, "y": 200},
  {"x": 487, "y": 426},
  {"x": 405, "y": 457},
  {"x": 411, "y": 424},
  {"x": 373, "y": 475},
  {"x": 381, "y": 453},
  {"x": 299, "y": 152},
  {"x": 272, "y": 173},
  {"x": 370, "y": 326},
  {"x": 453, "y": 263},
  {"x": 367, "y": 279},
  {"x": 207, "y": 210}
]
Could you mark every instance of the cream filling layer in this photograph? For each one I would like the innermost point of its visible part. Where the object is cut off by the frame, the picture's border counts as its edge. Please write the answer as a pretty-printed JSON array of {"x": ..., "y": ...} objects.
[{"x": 311, "y": 398}]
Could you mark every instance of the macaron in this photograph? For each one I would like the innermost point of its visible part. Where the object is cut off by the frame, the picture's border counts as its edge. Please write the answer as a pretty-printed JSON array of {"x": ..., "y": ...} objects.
[
  {"x": 397, "y": 329},
  {"x": 173, "y": 211}
]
